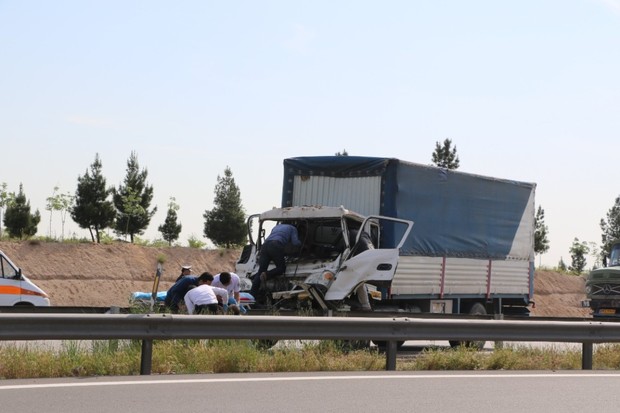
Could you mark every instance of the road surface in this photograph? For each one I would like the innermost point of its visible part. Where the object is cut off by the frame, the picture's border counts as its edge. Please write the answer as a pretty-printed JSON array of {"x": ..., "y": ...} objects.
[{"x": 505, "y": 392}]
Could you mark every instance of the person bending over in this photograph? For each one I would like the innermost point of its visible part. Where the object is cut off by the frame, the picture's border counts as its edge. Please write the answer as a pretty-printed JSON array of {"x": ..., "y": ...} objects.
[
  {"x": 203, "y": 299},
  {"x": 281, "y": 238}
]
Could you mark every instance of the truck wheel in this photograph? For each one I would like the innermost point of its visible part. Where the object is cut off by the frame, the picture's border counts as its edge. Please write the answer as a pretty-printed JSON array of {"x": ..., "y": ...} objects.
[
  {"x": 383, "y": 344},
  {"x": 476, "y": 309},
  {"x": 264, "y": 344},
  {"x": 352, "y": 345}
]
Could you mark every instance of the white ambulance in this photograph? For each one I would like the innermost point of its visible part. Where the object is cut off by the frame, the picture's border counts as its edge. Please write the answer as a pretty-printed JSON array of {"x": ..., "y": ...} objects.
[{"x": 16, "y": 288}]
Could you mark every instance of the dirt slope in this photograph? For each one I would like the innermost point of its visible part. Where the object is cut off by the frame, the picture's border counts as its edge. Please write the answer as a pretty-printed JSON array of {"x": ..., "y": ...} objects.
[{"x": 105, "y": 275}]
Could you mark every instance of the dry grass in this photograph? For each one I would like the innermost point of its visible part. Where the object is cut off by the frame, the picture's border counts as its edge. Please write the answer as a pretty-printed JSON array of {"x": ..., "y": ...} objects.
[{"x": 122, "y": 358}]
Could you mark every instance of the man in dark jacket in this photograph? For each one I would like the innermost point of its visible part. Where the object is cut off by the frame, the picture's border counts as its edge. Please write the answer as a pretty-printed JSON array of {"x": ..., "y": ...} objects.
[
  {"x": 177, "y": 292},
  {"x": 281, "y": 238}
]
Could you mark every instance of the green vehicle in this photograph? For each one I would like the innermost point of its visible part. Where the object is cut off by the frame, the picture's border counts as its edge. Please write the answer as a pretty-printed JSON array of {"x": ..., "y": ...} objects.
[{"x": 603, "y": 286}]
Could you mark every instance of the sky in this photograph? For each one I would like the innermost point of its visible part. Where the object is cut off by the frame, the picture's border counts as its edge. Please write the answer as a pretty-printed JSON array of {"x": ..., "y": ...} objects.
[{"x": 526, "y": 90}]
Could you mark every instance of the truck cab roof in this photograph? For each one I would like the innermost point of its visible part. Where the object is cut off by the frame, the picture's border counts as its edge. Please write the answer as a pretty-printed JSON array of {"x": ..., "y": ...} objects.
[{"x": 309, "y": 212}]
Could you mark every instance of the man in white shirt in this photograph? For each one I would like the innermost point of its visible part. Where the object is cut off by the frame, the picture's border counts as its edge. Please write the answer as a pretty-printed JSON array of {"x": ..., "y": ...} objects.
[
  {"x": 230, "y": 281},
  {"x": 204, "y": 297}
]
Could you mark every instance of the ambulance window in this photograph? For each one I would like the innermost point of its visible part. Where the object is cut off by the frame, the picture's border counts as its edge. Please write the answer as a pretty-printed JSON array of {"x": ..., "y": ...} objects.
[{"x": 6, "y": 269}]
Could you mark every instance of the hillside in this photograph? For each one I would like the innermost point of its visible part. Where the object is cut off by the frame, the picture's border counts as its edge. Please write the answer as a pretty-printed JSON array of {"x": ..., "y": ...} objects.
[{"x": 105, "y": 275}]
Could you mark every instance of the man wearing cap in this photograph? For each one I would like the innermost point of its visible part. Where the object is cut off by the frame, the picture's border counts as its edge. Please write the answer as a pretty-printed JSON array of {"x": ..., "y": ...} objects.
[{"x": 185, "y": 270}]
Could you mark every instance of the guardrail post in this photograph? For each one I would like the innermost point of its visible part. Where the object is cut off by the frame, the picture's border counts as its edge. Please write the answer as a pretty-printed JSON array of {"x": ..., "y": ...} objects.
[
  {"x": 498, "y": 344},
  {"x": 146, "y": 358},
  {"x": 586, "y": 356},
  {"x": 390, "y": 355}
]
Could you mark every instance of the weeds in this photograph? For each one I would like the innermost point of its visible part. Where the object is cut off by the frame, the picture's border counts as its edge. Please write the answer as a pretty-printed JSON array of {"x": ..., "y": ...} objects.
[{"x": 122, "y": 357}]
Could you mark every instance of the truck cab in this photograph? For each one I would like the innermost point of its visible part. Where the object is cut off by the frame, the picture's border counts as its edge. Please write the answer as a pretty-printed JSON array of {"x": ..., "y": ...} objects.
[
  {"x": 342, "y": 260},
  {"x": 16, "y": 289},
  {"x": 603, "y": 286}
]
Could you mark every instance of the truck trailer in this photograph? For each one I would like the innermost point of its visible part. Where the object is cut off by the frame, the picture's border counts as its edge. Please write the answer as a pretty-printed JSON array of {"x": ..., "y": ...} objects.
[{"x": 471, "y": 249}]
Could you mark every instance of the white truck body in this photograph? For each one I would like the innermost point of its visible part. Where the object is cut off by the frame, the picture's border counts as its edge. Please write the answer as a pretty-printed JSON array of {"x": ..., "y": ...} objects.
[
  {"x": 472, "y": 249},
  {"x": 473, "y": 241}
]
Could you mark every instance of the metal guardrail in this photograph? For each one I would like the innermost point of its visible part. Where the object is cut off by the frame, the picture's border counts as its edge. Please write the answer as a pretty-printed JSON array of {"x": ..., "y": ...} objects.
[
  {"x": 149, "y": 327},
  {"x": 30, "y": 309}
]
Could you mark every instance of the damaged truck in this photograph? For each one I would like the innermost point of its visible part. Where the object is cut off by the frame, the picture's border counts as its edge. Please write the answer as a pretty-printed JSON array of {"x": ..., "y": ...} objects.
[{"x": 383, "y": 234}]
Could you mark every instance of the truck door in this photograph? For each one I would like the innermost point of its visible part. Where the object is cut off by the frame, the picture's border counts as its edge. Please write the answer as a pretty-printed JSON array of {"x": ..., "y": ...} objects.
[
  {"x": 247, "y": 261},
  {"x": 369, "y": 259}
]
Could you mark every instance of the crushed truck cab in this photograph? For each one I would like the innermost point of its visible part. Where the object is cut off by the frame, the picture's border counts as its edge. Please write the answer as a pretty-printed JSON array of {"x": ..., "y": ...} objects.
[{"x": 344, "y": 258}]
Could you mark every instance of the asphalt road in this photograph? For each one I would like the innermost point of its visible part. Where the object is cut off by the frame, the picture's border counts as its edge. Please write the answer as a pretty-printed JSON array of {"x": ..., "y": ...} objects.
[{"x": 504, "y": 392}]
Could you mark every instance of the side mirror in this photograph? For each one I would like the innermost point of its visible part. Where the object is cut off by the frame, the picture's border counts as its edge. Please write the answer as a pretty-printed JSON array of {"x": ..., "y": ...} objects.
[{"x": 18, "y": 276}]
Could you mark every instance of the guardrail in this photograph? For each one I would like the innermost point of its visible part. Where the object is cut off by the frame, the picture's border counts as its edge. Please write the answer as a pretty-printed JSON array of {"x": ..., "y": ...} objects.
[{"x": 149, "y": 327}]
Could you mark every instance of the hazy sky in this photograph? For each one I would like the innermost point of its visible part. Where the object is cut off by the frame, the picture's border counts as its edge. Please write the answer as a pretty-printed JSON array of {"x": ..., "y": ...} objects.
[{"x": 527, "y": 90}]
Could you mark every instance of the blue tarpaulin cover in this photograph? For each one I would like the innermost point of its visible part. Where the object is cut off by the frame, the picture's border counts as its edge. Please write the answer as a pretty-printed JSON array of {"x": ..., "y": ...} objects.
[{"x": 455, "y": 214}]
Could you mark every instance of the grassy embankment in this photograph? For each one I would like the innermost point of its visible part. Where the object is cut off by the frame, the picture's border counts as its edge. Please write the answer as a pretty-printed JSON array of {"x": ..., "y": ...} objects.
[{"x": 222, "y": 356}]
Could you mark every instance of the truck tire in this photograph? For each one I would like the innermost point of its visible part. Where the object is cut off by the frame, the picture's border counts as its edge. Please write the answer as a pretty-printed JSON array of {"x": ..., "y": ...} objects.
[
  {"x": 383, "y": 344},
  {"x": 264, "y": 344},
  {"x": 475, "y": 309}
]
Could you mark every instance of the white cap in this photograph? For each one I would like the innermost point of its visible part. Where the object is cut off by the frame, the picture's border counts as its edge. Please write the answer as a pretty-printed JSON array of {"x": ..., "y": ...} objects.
[{"x": 186, "y": 267}]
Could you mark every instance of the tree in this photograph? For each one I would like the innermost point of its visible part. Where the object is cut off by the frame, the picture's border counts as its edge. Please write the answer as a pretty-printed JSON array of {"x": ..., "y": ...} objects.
[
  {"x": 6, "y": 198},
  {"x": 18, "y": 220},
  {"x": 132, "y": 201},
  {"x": 562, "y": 264},
  {"x": 61, "y": 203},
  {"x": 225, "y": 223},
  {"x": 170, "y": 229},
  {"x": 92, "y": 210},
  {"x": 541, "y": 242},
  {"x": 596, "y": 253},
  {"x": 445, "y": 156},
  {"x": 578, "y": 252},
  {"x": 610, "y": 228},
  {"x": 343, "y": 153}
]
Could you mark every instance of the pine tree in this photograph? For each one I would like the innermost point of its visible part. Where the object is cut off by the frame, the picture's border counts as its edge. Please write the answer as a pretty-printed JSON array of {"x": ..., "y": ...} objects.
[
  {"x": 18, "y": 220},
  {"x": 170, "y": 229},
  {"x": 445, "y": 156},
  {"x": 610, "y": 228},
  {"x": 561, "y": 265},
  {"x": 578, "y": 252},
  {"x": 225, "y": 223},
  {"x": 132, "y": 201},
  {"x": 6, "y": 198},
  {"x": 343, "y": 153},
  {"x": 541, "y": 242},
  {"x": 92, "y": 210}
]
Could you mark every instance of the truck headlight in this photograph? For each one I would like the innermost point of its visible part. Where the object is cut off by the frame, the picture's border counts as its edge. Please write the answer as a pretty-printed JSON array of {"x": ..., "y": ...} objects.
[{"x": 328, "y": 276}]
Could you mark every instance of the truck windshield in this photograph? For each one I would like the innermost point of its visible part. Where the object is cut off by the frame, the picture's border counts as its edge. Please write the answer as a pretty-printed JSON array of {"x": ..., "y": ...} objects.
[{"x": 614, "y": 257}]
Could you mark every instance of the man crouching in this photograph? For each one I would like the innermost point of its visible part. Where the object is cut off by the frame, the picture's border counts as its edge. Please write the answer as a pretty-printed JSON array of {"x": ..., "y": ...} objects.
[{"x": 204, "y": 299}]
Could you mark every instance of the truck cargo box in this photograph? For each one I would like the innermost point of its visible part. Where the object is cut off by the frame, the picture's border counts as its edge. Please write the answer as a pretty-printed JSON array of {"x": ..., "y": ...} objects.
[{"x": 474, "y": 235}]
